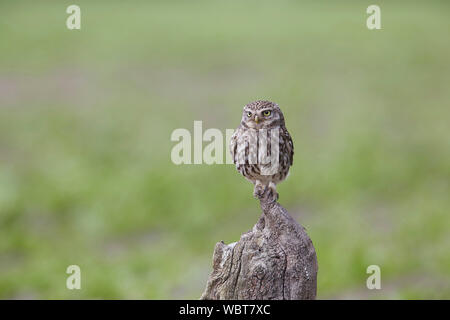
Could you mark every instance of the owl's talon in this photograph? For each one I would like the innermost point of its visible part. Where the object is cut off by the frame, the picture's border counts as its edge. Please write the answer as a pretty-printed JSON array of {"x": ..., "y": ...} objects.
[
  {"x": 273, "y": 192},
  {"x": 259, "y": 191},
  {"x": 266, "y": 193}
]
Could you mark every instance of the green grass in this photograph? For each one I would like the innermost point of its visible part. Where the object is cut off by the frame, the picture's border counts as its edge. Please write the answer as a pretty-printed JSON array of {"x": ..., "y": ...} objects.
[{"x": 86, "y": 118}]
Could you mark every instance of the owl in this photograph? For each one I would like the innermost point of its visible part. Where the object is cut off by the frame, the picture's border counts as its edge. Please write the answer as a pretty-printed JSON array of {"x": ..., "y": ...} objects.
[{"x": 262, "y": 148}]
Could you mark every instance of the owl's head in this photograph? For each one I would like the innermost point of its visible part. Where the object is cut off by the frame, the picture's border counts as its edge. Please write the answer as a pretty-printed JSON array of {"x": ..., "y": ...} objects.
[{"x": 262, "y": 114}]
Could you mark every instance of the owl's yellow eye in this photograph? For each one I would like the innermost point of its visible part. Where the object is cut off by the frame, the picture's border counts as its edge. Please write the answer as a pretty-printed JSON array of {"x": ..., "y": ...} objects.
[
  {"x": 249, "y": 114},
  {"x": 266, "y": 113}
]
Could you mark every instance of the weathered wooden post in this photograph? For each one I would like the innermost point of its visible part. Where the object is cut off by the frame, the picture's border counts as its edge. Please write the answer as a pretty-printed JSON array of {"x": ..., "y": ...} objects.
[{"x": 274, "y": 260}]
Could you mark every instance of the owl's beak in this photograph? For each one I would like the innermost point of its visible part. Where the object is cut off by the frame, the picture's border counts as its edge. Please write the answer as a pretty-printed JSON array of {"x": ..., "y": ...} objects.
[{"x": 256, "y": 119}]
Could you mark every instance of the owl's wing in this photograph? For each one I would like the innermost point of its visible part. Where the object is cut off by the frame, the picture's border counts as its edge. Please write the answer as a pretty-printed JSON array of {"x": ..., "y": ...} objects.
[
  {"x": 289, "y": 145},
  {"x": 233, "y": 146}
]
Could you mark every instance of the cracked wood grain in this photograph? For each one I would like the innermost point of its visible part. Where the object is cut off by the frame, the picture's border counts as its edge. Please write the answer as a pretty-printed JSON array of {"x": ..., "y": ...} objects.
[{"x": 274, "y": 260}]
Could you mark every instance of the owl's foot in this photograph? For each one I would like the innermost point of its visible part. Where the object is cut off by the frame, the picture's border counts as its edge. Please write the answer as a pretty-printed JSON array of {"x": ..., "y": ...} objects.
[
  {"x": 266, "y": 193},
  {"x": 259, "y": 190},
  {"x": 273, "y": 191}
]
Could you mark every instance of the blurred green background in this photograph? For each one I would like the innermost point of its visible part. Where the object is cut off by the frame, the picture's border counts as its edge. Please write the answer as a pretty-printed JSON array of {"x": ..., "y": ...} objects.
[{"x": 86, "y": 117}]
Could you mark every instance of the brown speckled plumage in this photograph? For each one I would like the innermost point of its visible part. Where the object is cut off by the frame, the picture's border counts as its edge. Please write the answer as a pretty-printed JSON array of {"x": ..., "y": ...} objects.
[{"x": 259, "y": 119}]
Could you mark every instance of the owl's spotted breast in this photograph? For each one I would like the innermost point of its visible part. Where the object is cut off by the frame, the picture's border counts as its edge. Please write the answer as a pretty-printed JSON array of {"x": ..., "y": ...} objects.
[{"x": 248, "y": 153}]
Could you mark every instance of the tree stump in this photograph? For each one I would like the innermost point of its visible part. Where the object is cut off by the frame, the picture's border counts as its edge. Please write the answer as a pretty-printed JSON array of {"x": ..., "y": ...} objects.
[{"x": 274, "y": 260}]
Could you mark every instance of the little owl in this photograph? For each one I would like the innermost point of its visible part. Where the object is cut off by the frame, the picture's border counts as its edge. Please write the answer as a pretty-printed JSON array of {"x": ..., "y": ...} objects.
[{"x": 254, "y": 149}]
